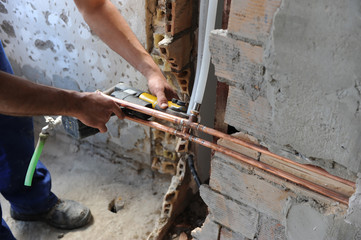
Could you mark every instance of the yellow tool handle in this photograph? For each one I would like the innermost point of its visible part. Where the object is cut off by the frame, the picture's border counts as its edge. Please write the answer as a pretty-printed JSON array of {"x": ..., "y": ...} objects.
[
  {"x": 149, "y": 98},
  {"x": 154, "y": 101}
]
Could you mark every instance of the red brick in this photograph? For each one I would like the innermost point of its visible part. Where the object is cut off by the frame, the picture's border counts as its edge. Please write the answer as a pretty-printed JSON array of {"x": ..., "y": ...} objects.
[{"x": 252, "y": 19}]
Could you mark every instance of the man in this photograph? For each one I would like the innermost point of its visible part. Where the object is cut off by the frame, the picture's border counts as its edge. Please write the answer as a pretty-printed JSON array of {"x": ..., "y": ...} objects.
[{"x": 19, "y": 97}]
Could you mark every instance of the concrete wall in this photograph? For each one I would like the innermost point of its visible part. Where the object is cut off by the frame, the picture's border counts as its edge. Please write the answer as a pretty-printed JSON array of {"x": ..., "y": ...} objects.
[
  {"x": 48, "y": 42},
  {"x": 293, "y": 73},
  {"x": 303, "y": 79},
  {"x": 313, "y": 80}
]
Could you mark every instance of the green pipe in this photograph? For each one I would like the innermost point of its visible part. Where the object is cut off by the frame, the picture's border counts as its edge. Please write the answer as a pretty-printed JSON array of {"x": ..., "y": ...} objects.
[{"x": 35, "y": 158}]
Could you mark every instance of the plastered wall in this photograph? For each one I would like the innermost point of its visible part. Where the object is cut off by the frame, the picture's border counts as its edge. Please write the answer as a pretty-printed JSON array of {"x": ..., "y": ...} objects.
[
  {"x": 48, "y": 42},
  {"x": 313, "y": 80}
]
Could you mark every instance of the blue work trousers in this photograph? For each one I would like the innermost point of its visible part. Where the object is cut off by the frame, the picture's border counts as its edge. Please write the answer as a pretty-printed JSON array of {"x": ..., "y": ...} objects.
[{"x": 16, "y": 149}]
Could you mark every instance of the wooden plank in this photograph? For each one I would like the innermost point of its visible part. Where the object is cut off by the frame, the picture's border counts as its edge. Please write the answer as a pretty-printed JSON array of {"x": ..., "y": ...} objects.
[{"x": 252, "y": 19}]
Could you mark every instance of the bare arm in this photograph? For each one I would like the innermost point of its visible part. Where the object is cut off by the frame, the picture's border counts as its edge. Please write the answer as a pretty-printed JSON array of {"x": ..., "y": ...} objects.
[
  {"x": 106, "y": 21},
  {"x": 19, "y": 97}
]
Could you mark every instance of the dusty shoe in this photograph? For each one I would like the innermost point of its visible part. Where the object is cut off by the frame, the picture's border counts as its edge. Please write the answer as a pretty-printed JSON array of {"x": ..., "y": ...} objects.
[{"x": 66, "y": 214}]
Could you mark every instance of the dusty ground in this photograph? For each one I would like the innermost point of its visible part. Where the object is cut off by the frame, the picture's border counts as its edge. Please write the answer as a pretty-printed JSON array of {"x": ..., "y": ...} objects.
[{"x": 80, "y": 175}]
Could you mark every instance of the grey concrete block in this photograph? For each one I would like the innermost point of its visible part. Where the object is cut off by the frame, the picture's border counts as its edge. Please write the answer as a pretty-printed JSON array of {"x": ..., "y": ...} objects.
[
  {"x": 263, "y": 191},
  {"x": 236, "y": 216},
  {"x": 208, "y": 231},
  {"x": 254, "y": 117},
  {"x": 232, "y": 179},
  {"x": 227, "y": 234},
  {"x": 237, "y": 62}
]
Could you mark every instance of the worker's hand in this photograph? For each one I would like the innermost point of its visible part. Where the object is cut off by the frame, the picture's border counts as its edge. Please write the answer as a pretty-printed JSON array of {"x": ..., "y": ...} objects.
[
  {"x": 95, "y": 110},
  {"x": 162, "y": 90}
]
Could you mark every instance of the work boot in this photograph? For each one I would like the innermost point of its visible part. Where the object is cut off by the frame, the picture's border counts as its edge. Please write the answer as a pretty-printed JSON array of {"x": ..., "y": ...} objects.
[{"x": 66, "y": 214}]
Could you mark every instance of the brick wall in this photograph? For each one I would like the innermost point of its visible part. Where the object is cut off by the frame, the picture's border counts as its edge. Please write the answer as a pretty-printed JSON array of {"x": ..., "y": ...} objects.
[
  {"x": 247, "y": 203},
  {"x": 259, "y": 57}
]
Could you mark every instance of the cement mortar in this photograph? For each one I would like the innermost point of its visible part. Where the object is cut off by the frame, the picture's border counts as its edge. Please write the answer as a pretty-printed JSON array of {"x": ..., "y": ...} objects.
[
  {"x": 314, "y": 80},
  {"x": 307, "y": 222},
  {"x": 354, "y": 210}
]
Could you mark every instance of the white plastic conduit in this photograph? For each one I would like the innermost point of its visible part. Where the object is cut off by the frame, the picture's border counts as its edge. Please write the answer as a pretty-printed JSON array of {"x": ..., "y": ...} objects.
[
  {"x": 203, "y": 9},
  {"x": 204, "y": 54}
]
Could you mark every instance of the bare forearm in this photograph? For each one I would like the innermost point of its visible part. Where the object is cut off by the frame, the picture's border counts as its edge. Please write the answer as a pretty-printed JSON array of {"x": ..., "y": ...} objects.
[
  {"x": 106, "y": 21},
  {"x": 19, "y": 97}
]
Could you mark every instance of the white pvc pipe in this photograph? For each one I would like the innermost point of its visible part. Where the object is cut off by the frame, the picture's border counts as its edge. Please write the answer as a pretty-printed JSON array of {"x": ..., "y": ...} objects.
[
  {"x": 198, "y": 90},
  {"x": 203, "y": 10}
]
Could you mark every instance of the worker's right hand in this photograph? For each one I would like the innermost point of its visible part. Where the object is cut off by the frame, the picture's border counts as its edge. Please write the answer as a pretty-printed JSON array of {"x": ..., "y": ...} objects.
[
  {"x": 162, "y": 90},
  {"x": 94, "y": 110}
]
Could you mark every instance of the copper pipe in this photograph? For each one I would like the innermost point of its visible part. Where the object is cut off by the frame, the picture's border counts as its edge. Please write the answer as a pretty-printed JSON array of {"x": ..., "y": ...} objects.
[
  {"x": 196, "y": 126},
  {"x": 268, "y": 168},
  {"x": 265, "y": 151}
]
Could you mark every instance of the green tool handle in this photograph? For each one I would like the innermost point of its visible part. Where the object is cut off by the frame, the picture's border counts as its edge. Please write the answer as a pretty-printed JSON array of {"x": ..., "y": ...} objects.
[{"x": 35, "y": 158}]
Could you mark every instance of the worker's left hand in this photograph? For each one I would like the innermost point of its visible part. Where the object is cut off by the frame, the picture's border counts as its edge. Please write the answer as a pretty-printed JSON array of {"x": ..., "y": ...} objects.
[
  {"x": 162, "y": 90},
  {"x": 94, "y": 109}
]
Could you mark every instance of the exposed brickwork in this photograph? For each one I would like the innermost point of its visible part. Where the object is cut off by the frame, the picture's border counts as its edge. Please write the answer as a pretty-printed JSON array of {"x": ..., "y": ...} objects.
[
  {"x": 179, "y": 16},
  {"x": 209, "y": 231},
  {"x": 252, "y": 19},
  {"x": 177, "y": 51},
  {"x": 254, "y": 40},
  {"x": 183, "y": 78},
  {"x": 236, "y": 216},
  {"x": 244, "y": 195},
  {"x": 244, "y": 114},
  {"x": 171, "y": 31},
  {"x": 238, "y": 63},
  {"x": 175, "y": 22},
  {"x": 172, "y": 34},
  {"x": 165, "y": 158}
]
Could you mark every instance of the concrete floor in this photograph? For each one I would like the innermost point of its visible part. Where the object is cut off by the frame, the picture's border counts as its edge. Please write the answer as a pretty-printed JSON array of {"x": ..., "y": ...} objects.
[{"x": 80, "y": 175}]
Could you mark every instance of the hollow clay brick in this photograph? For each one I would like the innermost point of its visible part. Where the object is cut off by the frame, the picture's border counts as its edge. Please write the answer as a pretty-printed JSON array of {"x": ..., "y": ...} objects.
[
  {"x": 183, "y": 79},
  {"x": 178, "y": 51},
  {"x": 179, "y": 16}
]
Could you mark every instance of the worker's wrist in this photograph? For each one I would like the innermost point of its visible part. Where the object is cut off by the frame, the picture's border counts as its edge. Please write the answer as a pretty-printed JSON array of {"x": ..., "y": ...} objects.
[
  {"x": 149, "y": 68},
  {"x": 73, "y": 102}
]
